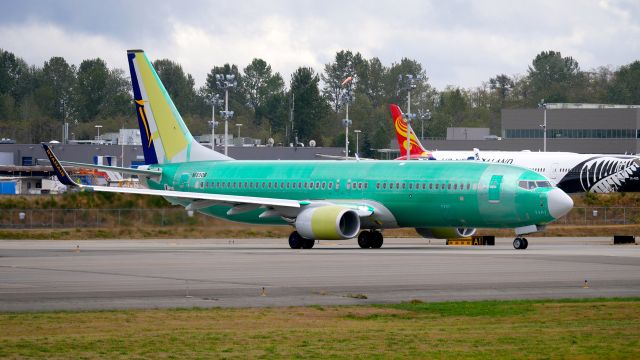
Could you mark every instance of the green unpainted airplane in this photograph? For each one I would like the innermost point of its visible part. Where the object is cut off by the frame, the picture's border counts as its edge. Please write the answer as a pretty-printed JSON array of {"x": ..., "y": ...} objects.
[{"x": 326, "y": 200}]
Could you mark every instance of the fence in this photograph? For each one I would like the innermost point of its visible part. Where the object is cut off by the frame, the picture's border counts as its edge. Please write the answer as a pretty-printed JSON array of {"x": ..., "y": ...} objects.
[
  {"x": 83, "y": 218},
  {"x": 95, "y": 218}
]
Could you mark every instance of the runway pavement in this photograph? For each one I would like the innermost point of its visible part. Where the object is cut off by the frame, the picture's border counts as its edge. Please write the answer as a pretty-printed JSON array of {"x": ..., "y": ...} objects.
[{"x": 123, "y": 274}]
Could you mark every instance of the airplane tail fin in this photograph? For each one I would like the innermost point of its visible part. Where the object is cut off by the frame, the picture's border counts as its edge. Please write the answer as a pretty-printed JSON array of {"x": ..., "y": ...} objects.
[
  {"x": 165, "y": 137},
  {"x": 400, "y": 125}
]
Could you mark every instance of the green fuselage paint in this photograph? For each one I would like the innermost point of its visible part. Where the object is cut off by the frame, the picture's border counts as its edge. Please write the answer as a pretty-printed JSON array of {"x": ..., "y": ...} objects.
[{"x": 416, "y": 193}]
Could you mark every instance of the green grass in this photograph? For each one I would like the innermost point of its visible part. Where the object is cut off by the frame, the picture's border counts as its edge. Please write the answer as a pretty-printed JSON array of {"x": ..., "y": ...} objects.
[{"x": 581, "y": 329}]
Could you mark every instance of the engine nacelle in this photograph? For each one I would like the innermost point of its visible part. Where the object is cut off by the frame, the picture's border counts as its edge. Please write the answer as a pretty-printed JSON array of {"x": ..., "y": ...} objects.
[
  {"x": 331, "y": 222},
  {"x": 445, "y": 233}
]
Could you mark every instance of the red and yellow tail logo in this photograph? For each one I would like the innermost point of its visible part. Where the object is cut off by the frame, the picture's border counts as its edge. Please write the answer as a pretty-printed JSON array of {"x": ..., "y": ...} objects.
[{"x": 416, "y": 149}]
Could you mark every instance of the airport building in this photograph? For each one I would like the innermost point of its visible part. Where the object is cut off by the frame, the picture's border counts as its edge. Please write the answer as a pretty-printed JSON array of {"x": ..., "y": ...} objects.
[
  {"x": 25, "y": 169},
  {"x": 581, "y": 128}
]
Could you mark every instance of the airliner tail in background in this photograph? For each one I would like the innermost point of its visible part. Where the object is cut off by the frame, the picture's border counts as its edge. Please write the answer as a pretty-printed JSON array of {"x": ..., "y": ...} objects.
[{"x": 401, "y": 126}]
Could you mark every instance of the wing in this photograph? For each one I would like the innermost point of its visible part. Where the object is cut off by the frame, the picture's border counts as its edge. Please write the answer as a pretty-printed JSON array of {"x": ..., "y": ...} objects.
[
  {"x": 274, "y": 207},
  {"x": 199, "y": 200}
]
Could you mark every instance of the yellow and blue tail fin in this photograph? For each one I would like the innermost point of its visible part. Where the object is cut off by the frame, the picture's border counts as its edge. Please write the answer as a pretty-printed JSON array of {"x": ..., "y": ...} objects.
[{"x": 165, "y": 137}]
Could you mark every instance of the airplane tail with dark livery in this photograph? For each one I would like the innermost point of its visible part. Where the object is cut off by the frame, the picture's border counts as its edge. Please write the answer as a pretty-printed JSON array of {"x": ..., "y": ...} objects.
[
  {"x": 416, "y": 150},
  {"x": 165, "y": 137}
]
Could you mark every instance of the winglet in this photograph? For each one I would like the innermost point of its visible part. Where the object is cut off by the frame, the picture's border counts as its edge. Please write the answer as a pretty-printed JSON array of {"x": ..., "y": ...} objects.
[{"x": 61, "y": 173}]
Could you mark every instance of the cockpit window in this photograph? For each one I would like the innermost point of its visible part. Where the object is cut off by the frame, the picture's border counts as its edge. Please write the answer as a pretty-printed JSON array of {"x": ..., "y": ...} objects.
[
  {"x": 530, "y": 184},
  {"x": 544, "y": 184}
]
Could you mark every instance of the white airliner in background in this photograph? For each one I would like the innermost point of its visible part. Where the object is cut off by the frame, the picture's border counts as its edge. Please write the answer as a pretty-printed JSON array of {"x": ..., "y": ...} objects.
[{"x": 572, "y": 172}]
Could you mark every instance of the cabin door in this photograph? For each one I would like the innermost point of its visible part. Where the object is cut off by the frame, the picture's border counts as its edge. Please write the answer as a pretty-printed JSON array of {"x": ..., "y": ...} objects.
[
  {"x": 495, "y": 186},
  {"x": 554, "y": 170},
  {"x": 183, "y": 182}
]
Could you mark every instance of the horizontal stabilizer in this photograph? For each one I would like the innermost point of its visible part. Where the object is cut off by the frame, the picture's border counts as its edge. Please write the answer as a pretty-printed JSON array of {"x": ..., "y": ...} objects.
[{"x": 142, "y": 172}]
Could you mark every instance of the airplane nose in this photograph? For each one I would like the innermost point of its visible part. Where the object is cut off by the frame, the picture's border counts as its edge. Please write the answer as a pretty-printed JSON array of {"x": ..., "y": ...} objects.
[{"x": 559, "y": 203}]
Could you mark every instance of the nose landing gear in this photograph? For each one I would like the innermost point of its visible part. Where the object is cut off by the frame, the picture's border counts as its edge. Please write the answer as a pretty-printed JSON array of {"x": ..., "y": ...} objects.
[{"x": 520, "y": 243}]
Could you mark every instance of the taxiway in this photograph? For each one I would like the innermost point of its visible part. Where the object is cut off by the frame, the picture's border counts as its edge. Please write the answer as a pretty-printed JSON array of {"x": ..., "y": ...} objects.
[{"x": 124, "y": 274}]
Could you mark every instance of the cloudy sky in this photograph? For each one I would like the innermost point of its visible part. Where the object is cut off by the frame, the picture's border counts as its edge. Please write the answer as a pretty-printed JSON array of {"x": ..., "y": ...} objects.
[{"x": 461, "y": 43}]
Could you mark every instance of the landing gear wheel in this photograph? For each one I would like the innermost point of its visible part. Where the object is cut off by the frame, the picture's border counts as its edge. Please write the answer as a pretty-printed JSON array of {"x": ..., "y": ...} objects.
[
  {"x": 364, "y": 239},
  {"x": 308, "y": 243},
  {"x": 376, "y": 240},
  {"x": 295, "y": 240},
  {"x": 520, "y": 243}
]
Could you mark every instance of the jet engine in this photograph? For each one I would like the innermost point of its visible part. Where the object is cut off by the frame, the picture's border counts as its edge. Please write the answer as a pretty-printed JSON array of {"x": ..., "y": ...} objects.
[
  {"x": 331, "y": 222},
  {"x": 445, "y": 233}
]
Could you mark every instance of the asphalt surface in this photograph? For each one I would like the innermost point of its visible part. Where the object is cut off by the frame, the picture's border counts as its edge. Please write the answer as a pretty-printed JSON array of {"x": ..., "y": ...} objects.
[{"x": 126, "y": 274}]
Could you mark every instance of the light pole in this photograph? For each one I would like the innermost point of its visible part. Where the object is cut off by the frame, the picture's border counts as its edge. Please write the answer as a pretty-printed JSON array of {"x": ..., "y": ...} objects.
[
  {"x": 239, "y": 126},
  {"x": 357, "y": 141},
  {"x": 544, "y": 124},
  {"x": 215, "y": 100},
  {"x": 347, "y": 97},
  {"x": 226, "y": 82},
  {"x": 423, "y": 115},
  {"x": 98, "y": 127},
  {"x": 408, "y": 82}
]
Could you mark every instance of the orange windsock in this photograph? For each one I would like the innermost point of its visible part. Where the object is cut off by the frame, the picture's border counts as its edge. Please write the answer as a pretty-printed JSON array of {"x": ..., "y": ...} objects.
[{"x": 346, "y": 81}]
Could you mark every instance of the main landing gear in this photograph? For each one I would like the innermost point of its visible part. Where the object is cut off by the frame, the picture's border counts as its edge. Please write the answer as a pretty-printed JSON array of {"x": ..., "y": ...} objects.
[
  {"x": 296, "y": 241},
  {"x": 520, "y": 243},
  {"x": 370, "y": 239}
]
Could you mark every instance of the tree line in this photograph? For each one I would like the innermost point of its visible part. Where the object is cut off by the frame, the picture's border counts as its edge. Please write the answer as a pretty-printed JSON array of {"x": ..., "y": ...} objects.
[{"x": 35, "y": 101}]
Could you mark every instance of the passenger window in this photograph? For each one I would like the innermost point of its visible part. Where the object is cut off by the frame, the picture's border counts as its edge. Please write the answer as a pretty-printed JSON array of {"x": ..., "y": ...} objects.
[
  {"x": 384, "y": 185},
  {"x": 330, "y": 184}
]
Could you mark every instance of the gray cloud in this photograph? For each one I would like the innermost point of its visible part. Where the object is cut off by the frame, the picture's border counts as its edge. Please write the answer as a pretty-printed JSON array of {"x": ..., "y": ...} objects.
[{"x": 460, "y": 43}]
